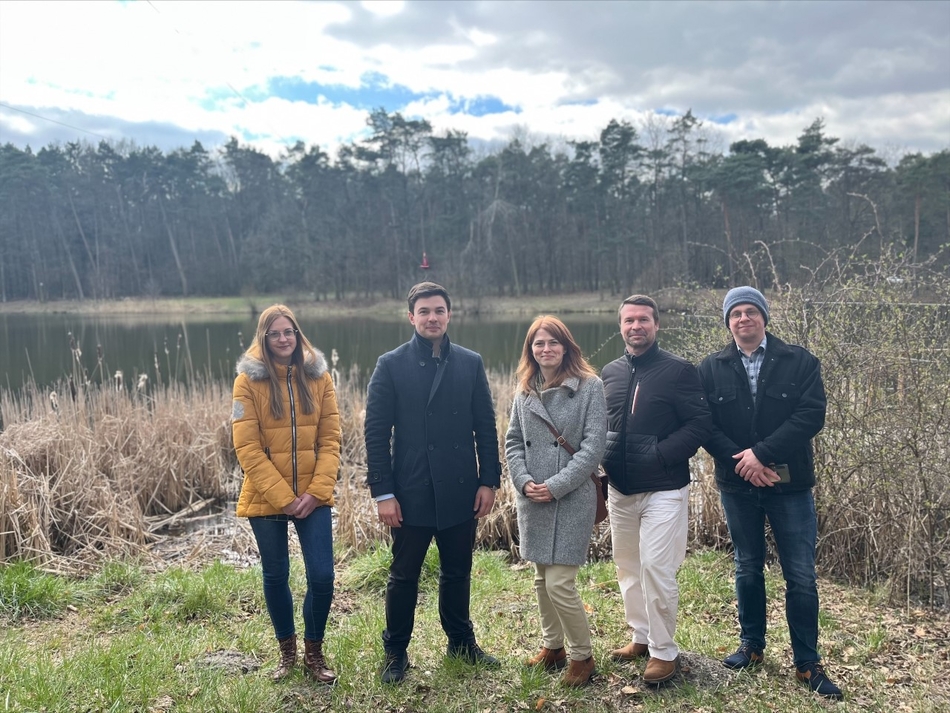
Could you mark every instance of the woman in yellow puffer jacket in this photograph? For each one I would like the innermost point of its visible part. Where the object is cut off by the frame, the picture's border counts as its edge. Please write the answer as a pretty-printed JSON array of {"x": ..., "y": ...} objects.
[{"x": 286, "y": 429}]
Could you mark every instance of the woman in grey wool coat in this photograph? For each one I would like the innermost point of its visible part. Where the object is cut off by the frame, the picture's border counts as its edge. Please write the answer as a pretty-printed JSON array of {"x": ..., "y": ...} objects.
[{"x": 556, "y": 496}]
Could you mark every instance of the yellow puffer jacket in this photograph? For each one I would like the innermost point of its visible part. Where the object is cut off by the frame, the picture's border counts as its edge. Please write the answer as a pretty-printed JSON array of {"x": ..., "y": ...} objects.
[{"x": 266, "y": 447}]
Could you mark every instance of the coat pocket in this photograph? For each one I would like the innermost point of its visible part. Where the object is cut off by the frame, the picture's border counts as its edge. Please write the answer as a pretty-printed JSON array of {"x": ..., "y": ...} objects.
[{"x": 643, "y": 457}]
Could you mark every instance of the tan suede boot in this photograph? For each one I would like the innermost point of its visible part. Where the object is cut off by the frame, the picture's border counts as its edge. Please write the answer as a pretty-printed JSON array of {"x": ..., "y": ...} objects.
[
  {"x": 578, "y": 673},
  {"x": 551, "y": 659},
  {"x": 314, "y": 663},
  {"x": 660, "y": 671},
  {"x": 630, "y": 652},
  {"x": 288, "y": 657}
]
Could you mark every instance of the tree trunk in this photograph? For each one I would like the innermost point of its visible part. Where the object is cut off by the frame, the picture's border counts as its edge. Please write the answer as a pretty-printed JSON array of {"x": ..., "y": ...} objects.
[{"x": 174, "y": 247}]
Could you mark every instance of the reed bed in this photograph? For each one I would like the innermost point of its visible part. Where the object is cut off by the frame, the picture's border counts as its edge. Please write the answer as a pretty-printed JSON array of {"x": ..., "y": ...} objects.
[
  {"x": 87, "y": 477},
  {"x": 107, "y": 473}
]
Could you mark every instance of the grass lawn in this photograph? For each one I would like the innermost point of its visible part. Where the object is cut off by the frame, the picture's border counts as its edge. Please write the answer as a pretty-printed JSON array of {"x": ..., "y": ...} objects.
[{"x": 198, "y": 639}]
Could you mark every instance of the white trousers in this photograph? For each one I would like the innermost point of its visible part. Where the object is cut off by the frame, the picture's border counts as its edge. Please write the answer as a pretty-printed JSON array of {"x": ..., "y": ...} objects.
[
  {"x": 649, "y": 533},
  {"x": 563, "y": 618}
]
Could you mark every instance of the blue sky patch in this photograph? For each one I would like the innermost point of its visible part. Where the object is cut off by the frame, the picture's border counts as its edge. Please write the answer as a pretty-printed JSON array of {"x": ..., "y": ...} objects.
[
  {"x": 373, "y": 92},
  {"x": 723, "y": 118},
  {"x": 481, "y": 106},
  {"x": 580, "y": 102}
]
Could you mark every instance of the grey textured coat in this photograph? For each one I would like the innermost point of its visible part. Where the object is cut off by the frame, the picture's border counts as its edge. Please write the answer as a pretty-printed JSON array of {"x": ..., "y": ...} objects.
[{"x": 557, "y": 532}]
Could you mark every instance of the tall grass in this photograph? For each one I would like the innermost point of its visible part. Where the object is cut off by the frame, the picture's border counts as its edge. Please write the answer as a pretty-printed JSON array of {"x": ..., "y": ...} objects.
[{"x": 96, "y": 477}]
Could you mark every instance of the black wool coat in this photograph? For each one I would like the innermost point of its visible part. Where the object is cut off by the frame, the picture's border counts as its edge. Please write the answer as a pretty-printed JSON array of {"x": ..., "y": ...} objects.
[{"x": 430, "y": 432}]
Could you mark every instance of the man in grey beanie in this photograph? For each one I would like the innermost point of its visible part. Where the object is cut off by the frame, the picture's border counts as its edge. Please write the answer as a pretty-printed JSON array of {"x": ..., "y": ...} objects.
[{"x": 768, "y": 402}]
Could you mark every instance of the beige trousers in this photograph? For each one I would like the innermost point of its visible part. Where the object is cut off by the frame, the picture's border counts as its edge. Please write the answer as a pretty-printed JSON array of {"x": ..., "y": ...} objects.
[{"x": 563, "y": 618}]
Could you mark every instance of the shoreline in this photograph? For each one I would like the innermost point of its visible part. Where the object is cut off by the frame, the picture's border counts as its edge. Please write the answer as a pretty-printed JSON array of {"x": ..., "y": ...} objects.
[{"x": 304, "y": 305}]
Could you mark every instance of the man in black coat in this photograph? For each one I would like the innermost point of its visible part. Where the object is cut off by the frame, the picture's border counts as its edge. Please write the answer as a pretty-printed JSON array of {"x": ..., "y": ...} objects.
[
  {"x": 768, "y": 402},
  {"x": 657, "y": 418},
  {"x": 433, "y": 467}
]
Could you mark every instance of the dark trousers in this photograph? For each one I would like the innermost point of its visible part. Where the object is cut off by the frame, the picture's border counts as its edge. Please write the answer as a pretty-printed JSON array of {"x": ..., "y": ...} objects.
[{"x": 410, "y": 545}]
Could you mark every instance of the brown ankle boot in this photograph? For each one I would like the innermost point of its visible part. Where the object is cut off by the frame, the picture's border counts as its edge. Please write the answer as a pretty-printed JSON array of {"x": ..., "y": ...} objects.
[
  {"x": 630, "y": 652},
  {"x": 578, "y": 673},
  {"x": 551, "y": 659},
  {"x": 314, "y": 663},
  {"x": 288, "y": 657}
]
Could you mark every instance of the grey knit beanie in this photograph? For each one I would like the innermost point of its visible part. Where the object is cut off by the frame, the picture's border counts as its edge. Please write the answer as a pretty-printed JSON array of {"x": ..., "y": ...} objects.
[{"x": 741, "y": 296}]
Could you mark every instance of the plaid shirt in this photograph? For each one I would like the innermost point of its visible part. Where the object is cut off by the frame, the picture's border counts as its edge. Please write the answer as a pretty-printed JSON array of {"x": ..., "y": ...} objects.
[{"x": 753, "y": 364}]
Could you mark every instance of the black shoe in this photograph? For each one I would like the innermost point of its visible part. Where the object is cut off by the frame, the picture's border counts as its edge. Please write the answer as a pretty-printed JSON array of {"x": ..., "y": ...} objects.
[
  {"x": 745, "y": 657},
  {"x": 813, "y": 675},
  {"x": 394, "y": 667},
  {"x": 471, "y": 653}
]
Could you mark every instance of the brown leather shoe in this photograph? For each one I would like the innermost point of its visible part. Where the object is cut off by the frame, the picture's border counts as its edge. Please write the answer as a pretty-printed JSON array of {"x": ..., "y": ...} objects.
[
  {"x": 314, "y": 663},
  {"x": 630, "y": 652},
  {"x": 288, "y": 657},
  {"x": 551, "y": 659},
  {"x": 578, "y": 673},
  {"x": 660, "y": 671}
]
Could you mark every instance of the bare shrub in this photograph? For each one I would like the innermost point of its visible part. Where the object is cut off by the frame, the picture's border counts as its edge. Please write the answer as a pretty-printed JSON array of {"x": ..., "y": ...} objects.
[
  {"x": 883, "y": 490},
  {"x": 881, "y": 327}
]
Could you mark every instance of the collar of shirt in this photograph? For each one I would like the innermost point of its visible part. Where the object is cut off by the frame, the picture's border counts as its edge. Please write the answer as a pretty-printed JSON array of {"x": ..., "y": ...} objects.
[{"x": 761, "y": 346}]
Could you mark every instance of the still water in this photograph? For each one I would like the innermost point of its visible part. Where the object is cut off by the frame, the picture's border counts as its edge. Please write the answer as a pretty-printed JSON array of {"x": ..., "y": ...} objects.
[{"x": 179, "y": 347}]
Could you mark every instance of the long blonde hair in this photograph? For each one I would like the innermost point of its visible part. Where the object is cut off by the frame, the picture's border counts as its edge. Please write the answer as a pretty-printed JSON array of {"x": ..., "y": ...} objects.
[
  {"x": 302, "y": 348},
  {"x": 573, "y": 363}
]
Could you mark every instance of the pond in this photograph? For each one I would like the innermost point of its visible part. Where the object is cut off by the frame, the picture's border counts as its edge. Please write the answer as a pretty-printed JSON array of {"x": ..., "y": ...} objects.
[{"x": 178, "y": 347}]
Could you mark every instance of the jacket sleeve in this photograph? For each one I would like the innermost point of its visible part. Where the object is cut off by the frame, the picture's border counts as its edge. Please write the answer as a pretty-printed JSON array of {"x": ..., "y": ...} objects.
[
  {"x": 720, "y": 446},
  {"x": 695, "y": 420},
  {"x": 378, "y": 429},
  {"x": 515, "y": 447},
  {"x": 485, "y": 429},
  {"x": 805, "y": 422},
  {"x": 592, "y": 445},
  {"x": 328, "y": 444},
  {"x": 257, "y": 466}
]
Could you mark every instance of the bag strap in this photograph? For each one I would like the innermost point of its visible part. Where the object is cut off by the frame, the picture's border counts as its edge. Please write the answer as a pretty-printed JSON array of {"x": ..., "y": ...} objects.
[{"x": 560, "y": 439}]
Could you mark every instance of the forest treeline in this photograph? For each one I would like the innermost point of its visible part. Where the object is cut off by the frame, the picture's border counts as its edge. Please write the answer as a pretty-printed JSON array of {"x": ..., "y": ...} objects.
[{"x": 649, "y": 206}]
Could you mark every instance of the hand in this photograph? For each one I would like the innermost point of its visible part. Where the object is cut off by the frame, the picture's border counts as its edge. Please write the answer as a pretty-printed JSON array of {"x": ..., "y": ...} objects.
[
  {"x": 389, "y": 512},
  {"x": 484, "y": 501},
  {"x": 292, "y": 508},
  {"x": 538, "y": 492},
  {"x": 308, "y": 503},
  {"x": 753, "y": 471}
]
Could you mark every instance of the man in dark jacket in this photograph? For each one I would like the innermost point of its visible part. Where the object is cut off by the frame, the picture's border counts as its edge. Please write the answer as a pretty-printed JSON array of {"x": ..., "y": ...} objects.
[
  {"x": 657, "y": 418},
  {"x": 428, "y": 411},
  {"x": 768, "y": 402}
]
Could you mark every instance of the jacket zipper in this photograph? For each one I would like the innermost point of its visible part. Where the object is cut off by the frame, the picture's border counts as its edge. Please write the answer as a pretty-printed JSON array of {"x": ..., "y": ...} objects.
[
  {"x": 293, "y": 426},
  {"x": 623, "y": 421}
]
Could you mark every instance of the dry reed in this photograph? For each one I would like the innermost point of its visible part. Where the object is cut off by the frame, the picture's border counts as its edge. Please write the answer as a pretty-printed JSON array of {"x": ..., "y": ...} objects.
[
  {"x": 92, "y": 477},
  {"x": 84, "y": 478}
]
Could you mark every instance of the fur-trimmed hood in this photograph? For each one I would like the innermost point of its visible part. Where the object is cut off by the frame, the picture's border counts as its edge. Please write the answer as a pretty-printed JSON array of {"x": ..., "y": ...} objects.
[{"x": 250, "y": 364}]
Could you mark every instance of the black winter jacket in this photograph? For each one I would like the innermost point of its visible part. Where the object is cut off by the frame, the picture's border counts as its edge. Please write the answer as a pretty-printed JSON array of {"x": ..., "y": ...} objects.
[
  {"x": 651, "y": 438},
  {"x": 778, "y": 425}
]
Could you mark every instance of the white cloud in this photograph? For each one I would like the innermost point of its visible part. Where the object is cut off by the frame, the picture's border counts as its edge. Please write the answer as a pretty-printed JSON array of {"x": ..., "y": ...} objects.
[{"x": 878, "y": 72}]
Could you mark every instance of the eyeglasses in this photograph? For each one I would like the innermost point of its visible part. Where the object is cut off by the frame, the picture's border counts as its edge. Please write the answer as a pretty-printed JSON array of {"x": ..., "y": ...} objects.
[
  {"x": 286, "y": 334},
  {"x": 737, "y": 314}
]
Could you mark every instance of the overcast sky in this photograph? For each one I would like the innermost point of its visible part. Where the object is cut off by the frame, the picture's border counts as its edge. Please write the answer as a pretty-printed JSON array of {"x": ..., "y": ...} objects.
[{"x": 167, "y": 73}]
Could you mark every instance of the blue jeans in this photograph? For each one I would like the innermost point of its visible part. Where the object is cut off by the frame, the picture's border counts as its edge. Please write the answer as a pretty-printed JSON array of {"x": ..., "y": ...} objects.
[
  {"x": 316, "y": 542},
  {"x": 795, "y": 529}
]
